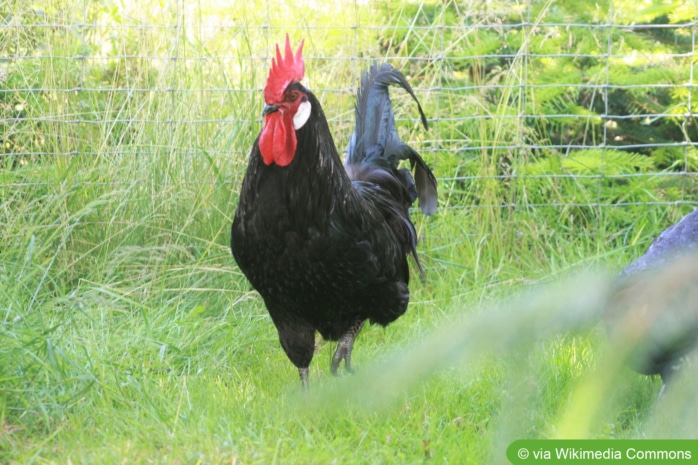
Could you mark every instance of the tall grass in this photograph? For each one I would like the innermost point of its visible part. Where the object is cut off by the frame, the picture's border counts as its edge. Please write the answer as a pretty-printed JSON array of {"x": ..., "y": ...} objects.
[{"x": 127, "y": 334}]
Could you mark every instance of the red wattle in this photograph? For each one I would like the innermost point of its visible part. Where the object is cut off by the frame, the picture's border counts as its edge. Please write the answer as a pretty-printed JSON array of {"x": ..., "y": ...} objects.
[{"x": 277, "y": 142}]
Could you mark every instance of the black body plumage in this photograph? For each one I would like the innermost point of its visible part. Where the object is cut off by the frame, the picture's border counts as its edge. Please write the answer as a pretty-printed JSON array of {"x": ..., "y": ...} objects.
[{"x": 325, "y": 247}]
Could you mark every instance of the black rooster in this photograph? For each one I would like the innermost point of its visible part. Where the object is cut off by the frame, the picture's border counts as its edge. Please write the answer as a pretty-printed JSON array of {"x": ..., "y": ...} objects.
[
  {"x": 326, "y": 247},
  {"x": 654, "y": 306}
]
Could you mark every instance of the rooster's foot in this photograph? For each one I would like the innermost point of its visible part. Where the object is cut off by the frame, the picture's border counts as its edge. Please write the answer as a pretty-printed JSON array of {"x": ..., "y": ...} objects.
[{"x": 344, "y": 348}]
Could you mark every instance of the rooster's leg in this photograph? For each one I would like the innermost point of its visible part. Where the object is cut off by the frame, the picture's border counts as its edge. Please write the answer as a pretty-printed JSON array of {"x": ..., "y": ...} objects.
[
  {"x": 344, "y": 348},
  {"x": 304, "y": 378}
]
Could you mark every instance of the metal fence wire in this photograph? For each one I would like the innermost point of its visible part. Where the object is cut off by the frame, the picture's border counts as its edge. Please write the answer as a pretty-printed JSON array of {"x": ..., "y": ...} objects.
[{"x": 553, "y": 103}]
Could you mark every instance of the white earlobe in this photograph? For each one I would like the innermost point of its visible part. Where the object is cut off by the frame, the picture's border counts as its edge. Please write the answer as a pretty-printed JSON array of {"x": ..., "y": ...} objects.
[{"x": 302, "y": 115}]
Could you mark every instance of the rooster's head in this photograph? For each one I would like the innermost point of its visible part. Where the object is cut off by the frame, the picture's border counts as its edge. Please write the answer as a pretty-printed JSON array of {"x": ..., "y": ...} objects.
[{"x": 287, "y": 106}]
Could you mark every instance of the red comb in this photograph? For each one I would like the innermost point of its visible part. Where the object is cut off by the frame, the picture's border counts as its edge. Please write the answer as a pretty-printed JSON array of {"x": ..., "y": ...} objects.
[{"x": 284, "y": 70}]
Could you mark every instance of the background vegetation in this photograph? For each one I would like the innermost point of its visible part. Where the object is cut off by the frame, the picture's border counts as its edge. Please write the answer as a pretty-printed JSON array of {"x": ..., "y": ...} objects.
[{"x": 563, "y": 139}]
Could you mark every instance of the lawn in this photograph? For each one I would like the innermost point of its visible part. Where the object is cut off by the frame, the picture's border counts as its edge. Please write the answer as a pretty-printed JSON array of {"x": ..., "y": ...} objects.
[{"x": 128, "y": 334}]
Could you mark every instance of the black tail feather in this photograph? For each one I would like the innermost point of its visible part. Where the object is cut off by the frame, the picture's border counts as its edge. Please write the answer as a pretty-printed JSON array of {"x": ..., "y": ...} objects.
[
  {"x": 375, "y": 140},
  {"x": 426, "y": 184}
]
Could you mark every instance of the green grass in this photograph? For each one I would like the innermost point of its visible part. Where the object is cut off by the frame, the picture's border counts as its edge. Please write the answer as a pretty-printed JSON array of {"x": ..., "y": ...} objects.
[{"x": 128, "y": 335}]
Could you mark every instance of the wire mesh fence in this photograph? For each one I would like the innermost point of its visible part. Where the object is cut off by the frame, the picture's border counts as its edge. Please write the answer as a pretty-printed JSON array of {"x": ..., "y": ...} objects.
[{"x": 542, "y": 103}]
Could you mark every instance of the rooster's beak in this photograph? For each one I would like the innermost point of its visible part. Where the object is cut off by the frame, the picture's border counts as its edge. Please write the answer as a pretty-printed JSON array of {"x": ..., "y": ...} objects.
[{"x": 269, "y": 109}]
